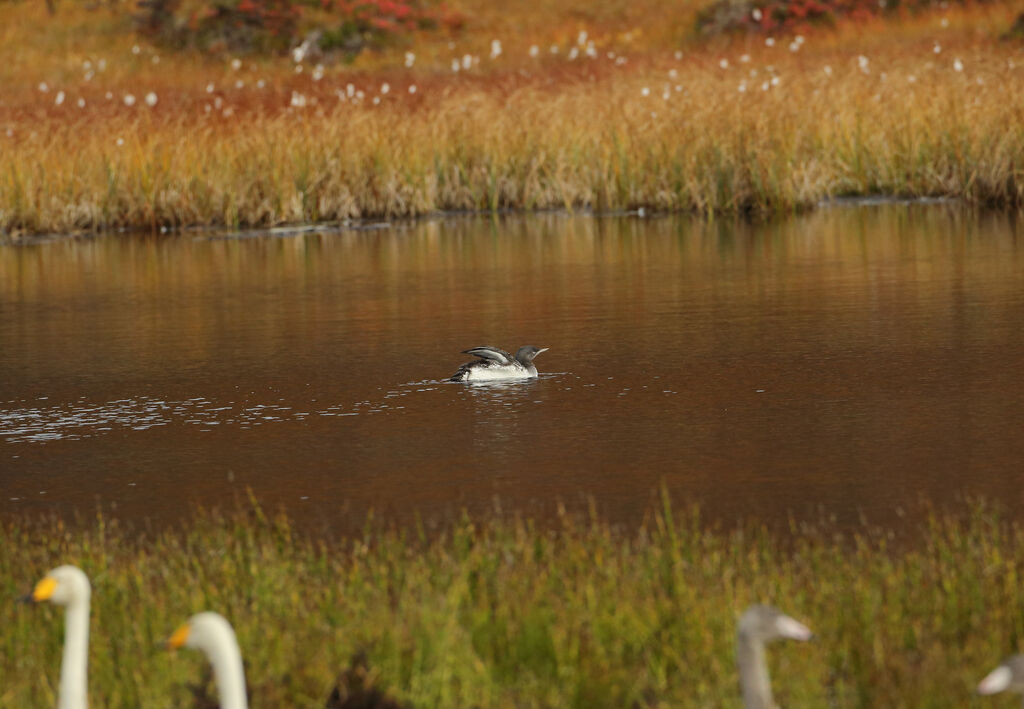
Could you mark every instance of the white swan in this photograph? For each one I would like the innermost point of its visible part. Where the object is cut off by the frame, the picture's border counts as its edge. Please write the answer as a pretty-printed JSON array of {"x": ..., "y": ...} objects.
[
  {"x": 1008, "y": 677},
  {"x": 212, "y": 634},
  {"x": 760, "y": 625},
  {"x": 67, "y": 586}
]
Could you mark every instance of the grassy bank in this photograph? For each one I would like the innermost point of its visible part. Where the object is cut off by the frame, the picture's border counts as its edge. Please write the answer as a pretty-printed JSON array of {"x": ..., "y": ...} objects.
[
  {"x": 929, "y": 105},
  {"x": 505, "y": 614}
]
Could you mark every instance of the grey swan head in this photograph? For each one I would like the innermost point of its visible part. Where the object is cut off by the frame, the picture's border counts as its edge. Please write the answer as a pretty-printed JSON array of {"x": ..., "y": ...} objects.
[{"x": 759, "y": 626}]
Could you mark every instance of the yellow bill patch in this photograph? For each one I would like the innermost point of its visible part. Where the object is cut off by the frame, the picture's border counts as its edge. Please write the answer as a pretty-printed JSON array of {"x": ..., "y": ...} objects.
[
  {"x": 44, "y": 589},
  {"x": 179, "y": 638}
]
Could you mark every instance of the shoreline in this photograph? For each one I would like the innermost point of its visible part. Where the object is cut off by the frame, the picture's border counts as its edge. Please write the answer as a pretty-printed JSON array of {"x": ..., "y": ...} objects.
[{"x": 219, "y": 233}]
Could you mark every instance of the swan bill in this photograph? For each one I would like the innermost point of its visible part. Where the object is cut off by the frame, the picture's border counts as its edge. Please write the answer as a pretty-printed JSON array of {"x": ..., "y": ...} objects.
[
  {"x": 179, "y": 637},
  {"x": 792, "y": 628},
  {"x": 44, "y": 590},
  {"x": 997, "y": 681}
]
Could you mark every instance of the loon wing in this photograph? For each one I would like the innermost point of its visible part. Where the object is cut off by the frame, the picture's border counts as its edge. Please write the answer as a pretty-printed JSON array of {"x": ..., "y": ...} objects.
[{"x": 491, "y": 353}]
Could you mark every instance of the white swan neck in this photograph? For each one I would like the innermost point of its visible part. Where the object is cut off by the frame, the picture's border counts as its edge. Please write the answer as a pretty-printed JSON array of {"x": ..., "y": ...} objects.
[
  {"x": 226, "y": 660},
  {"x": 754, "y": 680},
  {"x": 74, "y": 672}
]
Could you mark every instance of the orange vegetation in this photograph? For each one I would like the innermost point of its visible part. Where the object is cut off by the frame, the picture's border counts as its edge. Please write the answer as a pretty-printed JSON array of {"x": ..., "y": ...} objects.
[{"x": 607, "y": 108}]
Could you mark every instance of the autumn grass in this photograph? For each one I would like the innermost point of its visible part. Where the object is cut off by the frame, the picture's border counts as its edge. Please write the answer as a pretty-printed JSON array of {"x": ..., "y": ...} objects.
[
  {"x": 502, "y": 613},
  {"x": 773, "y": 131}
]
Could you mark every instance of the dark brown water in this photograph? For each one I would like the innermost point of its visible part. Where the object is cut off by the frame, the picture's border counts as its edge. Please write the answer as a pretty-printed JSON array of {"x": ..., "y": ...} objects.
[{"x": 851, "y": 361}]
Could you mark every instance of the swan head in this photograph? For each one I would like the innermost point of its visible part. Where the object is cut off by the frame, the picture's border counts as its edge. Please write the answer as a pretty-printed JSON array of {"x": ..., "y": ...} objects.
[
  {"x": 62, "y": 586},
  {"x": 1008, "y": 677},
  {"x": 203, "y": 631},
  {"x": 767, "y": 623},
  {"x": 213, "y": 636}
]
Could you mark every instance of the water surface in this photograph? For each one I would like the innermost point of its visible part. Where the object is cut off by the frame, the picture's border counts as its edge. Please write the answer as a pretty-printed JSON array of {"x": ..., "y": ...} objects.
[{"x": 850, "y": 362}]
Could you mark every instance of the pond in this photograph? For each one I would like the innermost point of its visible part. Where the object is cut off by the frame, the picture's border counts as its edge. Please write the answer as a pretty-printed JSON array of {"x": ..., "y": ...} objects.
[{"x": 852, "y": 361}]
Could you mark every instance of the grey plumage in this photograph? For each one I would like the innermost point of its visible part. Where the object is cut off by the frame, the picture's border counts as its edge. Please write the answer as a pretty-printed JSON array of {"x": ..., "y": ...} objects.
[
  {"x": 494, "y": 363},
  {"x": 758, "y": 626}
]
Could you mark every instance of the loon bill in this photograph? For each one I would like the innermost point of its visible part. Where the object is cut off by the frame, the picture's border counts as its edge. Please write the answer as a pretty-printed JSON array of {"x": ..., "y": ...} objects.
[{"x": 494, "y": 364}]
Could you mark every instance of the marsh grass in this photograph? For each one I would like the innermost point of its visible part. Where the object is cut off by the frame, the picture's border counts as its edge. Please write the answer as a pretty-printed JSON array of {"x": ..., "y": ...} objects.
[
  {"x": 519, "y": 133},
  {"x": 504, "y": 612}
]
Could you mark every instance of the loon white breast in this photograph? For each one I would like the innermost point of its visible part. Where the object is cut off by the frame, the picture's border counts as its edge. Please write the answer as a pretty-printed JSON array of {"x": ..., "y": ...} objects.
[{"x": 494, "y": 364}]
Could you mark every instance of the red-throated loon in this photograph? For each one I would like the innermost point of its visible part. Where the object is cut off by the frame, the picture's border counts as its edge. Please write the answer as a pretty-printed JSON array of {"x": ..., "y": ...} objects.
[{"x": 495, "y": 364}]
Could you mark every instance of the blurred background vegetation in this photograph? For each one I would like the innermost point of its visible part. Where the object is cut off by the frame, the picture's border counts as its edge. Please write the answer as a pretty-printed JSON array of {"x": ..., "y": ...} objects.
[{"x": 347, "y": 27}]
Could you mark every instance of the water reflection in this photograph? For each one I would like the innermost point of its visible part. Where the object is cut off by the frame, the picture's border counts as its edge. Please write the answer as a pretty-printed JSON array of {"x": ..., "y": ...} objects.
[
  {"x": 850, "y": 360},
  {"x": 497, "y": 407}
]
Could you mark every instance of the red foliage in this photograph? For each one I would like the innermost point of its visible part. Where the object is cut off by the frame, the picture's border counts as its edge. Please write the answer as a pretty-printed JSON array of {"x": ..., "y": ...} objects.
[
  {"x": 278, "y": 25},
  {"x": 789, "y": 16}
]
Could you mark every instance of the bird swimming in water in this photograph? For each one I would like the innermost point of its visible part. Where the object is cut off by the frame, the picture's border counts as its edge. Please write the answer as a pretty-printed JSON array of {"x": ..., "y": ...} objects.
[{"x": 494, "y": 364}]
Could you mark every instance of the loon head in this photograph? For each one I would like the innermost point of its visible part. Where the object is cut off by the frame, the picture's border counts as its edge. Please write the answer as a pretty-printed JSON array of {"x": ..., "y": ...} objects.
[{"x": 526, "y": 353}]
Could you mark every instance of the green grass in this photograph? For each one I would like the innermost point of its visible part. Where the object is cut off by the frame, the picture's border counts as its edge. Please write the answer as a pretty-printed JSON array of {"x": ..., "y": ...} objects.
[{"x": 508, "y": 613}]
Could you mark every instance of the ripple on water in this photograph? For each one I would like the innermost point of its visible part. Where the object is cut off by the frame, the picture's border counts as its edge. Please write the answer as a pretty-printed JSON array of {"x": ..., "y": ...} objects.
[
  {"x": 38, "y": 421},
  {"x": 41, "y": 421}
]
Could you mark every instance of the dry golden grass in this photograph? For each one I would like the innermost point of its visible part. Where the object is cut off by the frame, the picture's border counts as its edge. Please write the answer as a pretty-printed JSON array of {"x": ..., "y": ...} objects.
[{"x": 774, "y": 130}]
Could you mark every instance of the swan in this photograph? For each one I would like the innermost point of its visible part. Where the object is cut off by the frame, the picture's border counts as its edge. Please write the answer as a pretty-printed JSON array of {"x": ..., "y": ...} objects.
[
  {"x": 758, "y": 626},
  {"x": 68, "y": 586},
  {"x": 212, "y": 634},
  {"x": 1009, "y": 676}
]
